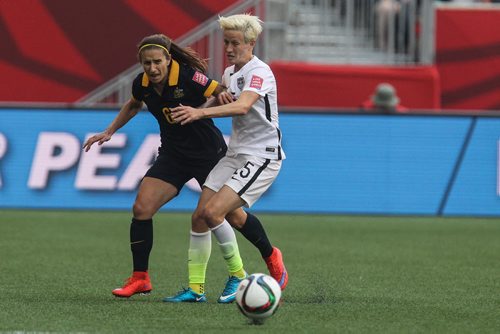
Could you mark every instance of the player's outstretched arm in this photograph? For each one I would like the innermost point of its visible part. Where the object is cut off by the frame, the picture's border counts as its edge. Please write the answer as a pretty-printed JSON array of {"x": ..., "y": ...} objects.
[
  {"x": 127, "y": 112},
  {"x": 185, "y": 114},
  {"x": 225, "y": 98},
  {"x": 222, "y": 98}
]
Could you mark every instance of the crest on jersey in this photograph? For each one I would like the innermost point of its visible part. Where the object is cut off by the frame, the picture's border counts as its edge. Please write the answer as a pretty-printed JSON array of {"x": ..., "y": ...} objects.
[
  {"x": 240, "y": 82},
  {"x": 200, "y": 78},
  {"x": 178, "y": 93}
]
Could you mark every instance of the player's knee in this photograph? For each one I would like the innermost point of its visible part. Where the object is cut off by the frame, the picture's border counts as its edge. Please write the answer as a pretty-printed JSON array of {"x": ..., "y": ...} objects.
[
  {"x": 211, "y": 216},
  {"x": 196, "y": 217},
  {"x": 197, "y": 221},
  {"x": 142, "y": 210}
]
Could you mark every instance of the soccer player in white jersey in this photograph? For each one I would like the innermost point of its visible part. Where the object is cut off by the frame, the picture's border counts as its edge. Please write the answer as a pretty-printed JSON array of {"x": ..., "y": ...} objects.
[{"x": 254, "y": 155}]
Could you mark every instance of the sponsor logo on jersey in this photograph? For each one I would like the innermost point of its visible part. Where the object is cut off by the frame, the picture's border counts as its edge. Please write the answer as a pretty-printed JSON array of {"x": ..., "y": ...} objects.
[
  {"x": 256, "y": 82},
  {"x": 200, "y": 78}
]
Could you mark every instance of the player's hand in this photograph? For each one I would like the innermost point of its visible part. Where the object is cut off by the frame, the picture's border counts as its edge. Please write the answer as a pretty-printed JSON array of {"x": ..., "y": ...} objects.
[
  {"x": 101, "y": 138},
  {"x": 225, "y": 97},
  {"x": 185, "y": 114}
]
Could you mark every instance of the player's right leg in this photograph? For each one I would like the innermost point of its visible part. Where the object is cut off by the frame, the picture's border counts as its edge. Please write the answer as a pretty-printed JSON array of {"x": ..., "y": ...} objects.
[
  {"x": 200, "y": 247},
  {"x": 250, "y": 182},
  {"x": 153, "y": 194}
]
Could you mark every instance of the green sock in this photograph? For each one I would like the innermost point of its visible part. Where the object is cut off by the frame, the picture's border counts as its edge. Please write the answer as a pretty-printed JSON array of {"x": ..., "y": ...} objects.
[
  {"x": 233, "y": 260},
  {"x": 241, "y": 274},
  {"x": 228, "y": 244}
]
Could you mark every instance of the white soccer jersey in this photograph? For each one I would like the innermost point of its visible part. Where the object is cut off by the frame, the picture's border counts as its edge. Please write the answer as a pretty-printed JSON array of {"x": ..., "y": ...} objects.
[{"x": 257, "y": 133}]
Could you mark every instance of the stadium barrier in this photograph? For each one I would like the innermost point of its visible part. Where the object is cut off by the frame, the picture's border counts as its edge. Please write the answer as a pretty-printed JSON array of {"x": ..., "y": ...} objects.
[
  {"x": 337, "y": 163},
  {"x": 348, "y": 86}
]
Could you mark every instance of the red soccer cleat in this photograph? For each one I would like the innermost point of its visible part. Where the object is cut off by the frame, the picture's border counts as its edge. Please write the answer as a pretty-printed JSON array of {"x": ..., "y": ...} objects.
[
  {"x": 138, "y": 283},
  {"x": 277, "y": 268}
]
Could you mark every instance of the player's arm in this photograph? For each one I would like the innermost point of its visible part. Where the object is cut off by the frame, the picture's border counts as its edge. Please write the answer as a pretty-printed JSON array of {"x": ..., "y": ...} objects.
[
  {"x": 127, "y": 112},
  {"x": 219, "y": 96},
  {"x": 211, "y": 102},
  {"x": 223, "y": 96},
  {"x": 185, "y": 114}
]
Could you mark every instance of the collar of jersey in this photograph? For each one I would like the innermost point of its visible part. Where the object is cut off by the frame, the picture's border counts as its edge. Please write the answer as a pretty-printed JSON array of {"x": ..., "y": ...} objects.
[{"x": 173, "y": 76}]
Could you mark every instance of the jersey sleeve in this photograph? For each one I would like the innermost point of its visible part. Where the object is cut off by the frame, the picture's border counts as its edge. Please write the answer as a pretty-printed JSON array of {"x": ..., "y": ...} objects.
[
  {"x": 202, "y": 84},
  {"x": 260, "y": 80}
]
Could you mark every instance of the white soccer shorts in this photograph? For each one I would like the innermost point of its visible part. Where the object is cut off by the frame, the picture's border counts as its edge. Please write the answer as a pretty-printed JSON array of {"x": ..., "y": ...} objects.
[{"x": 247, "y": 175}]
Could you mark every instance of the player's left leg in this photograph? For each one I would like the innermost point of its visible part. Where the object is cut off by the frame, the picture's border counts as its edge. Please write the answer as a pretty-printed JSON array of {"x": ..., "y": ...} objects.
[
  {"x": 153, "y": 194},
  {"x": 213, "y": 213}
]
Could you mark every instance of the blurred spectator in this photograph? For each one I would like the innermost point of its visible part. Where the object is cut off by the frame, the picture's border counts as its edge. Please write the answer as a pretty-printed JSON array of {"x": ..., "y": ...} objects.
[
  {"x": 386, "y": 11},
  {"x": 384, "y": 98}
]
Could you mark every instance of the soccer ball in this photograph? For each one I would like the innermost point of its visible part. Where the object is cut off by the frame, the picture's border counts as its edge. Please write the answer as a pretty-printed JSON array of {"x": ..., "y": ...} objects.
[{"x": 258, "y": 297}]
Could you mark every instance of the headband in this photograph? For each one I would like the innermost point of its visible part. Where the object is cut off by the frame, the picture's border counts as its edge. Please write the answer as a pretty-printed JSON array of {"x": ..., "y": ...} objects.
[{"x": 157, "y": 45}]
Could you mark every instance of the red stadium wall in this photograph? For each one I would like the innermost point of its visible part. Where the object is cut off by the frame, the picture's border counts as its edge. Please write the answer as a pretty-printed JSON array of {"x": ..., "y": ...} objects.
[
  {"x": 58, "y": 51},
  {"x": 468, "y": 57},
  {"x": 466, "y": 74},
  {"x": 308, "y": 85}
]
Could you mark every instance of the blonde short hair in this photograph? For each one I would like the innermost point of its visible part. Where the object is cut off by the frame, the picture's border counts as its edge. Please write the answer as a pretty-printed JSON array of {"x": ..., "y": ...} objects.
[{"x": 249, "y": 25}]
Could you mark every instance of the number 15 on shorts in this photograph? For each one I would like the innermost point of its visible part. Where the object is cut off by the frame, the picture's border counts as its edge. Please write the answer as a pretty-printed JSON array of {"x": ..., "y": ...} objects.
[{"x": 245, "y": 171}]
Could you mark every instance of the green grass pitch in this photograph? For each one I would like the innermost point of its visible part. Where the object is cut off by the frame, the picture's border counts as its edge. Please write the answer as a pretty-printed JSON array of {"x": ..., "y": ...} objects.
[{"x": 348, "y": 274}]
